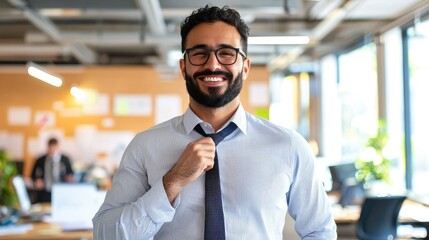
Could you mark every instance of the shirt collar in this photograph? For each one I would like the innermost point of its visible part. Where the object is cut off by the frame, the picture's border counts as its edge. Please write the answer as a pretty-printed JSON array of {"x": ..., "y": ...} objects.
[{"x": 190, "y": 120}]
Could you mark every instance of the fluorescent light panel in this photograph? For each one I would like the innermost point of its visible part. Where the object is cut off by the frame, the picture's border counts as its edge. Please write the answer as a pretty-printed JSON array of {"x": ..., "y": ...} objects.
[
  {"x": 38, "y": 72},
  {"x": 78, "y": 93},
  {"x": 279, "y": 40}
]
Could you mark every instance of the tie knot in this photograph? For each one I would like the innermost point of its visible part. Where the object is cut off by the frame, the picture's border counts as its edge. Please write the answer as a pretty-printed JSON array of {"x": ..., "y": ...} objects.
[{"x": 217, "y": 137}]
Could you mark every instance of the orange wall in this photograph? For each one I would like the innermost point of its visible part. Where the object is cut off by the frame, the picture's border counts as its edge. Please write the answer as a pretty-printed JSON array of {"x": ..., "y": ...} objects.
[{"x": 19, "y": 89}]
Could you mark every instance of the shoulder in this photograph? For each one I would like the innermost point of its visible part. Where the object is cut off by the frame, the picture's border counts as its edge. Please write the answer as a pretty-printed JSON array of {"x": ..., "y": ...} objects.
[
  {"x": 65, "y": 158},
  {"x": 153, "y": 141},
  {"x": 275, "y": 134},
  {"x": 172, "y": 125},
  {"x": 41, "y": 159},
  {"x": 158, "y": 132},
  {"x": 263, "y": 125}
]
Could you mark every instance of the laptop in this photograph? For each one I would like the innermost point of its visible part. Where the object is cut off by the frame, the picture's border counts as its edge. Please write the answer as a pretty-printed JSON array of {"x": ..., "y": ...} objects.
[
  {"x": 75, "y": 204},
  {"x": 26, "y": 209}
]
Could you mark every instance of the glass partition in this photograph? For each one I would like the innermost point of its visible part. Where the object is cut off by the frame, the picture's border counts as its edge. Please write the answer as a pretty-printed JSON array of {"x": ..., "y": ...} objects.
[{"x": 418, "y": 97}]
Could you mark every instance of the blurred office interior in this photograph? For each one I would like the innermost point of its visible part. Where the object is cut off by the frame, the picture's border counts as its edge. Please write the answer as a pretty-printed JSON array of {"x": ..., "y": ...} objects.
[{"x": 344, "y": 72}]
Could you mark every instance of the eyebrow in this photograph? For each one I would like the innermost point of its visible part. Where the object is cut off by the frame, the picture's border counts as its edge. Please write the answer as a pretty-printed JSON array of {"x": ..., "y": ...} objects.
[{"x": 219, "y": 46}]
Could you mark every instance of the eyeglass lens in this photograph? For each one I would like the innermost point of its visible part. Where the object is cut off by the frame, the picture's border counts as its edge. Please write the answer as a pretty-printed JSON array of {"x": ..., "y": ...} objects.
[{"x": 225, "y": 56}]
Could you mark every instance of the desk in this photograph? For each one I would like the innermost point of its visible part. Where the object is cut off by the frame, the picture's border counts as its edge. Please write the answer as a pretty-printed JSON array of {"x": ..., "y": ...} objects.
[
  {"x": 44, "y": 230},
  {"x": 41, "y": 230},
  {"x": 411, "y": 213}
]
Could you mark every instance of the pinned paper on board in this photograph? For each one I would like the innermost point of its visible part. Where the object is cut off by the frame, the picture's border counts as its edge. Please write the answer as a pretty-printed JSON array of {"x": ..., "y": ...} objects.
[
  {"x": 167, "y": 107},
  {"x": 132, "y": 105},
  {"x": 19, "y": 116},
  {"x": 44, "y": 119},
  {"x": 16, "y": 146},
  {"x": 96, "y": 104},
  {"x": 13, "y": 144}
]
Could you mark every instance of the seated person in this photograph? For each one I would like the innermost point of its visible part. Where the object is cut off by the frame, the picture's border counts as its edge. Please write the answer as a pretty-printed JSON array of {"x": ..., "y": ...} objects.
[{"x": 50, "y": 168}]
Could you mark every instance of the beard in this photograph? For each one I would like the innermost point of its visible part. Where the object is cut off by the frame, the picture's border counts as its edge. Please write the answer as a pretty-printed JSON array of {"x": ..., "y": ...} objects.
[{"x": 214, "y": 99}]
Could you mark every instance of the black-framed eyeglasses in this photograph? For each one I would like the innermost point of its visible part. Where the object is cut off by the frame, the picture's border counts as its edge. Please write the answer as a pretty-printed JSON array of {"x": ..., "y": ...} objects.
[{"x": 199, "y": 56}]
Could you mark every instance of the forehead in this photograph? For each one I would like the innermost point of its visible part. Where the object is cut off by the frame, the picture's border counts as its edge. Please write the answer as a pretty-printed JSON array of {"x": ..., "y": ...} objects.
[{"x": 213, "y": 34}]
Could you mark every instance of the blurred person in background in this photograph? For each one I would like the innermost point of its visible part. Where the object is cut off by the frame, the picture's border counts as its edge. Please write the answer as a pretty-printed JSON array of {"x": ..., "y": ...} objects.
[{"x": 50, "y": 168}]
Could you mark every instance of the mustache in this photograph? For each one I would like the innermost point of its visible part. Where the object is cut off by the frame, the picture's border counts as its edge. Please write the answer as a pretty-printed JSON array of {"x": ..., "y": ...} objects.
[{"x": 208, "y": 72}]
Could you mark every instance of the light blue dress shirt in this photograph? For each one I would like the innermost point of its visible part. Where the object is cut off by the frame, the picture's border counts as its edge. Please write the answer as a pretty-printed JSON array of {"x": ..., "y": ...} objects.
[{"x": 265, "y": 171}]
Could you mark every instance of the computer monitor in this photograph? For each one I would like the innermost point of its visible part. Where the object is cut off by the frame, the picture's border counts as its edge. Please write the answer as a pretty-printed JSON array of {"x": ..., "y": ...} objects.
[
  {"x": 27, "y": 209},
  {"x": 22, "y": 194},
  {"x": 75, "y": 204}
]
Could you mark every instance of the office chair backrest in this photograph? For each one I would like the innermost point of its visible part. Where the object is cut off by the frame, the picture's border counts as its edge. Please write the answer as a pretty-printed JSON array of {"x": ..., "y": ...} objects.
[
  {"x": 340, "y": 173},
  {"x": 352, "y": 193},
  {"x": 379, "y": 218}
]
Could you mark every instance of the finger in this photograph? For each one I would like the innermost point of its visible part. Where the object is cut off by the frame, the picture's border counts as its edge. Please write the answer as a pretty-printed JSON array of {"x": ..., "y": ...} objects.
[
  {"x": 205, "y": 140},
  {"x": 203, "y": 146},
  {"x": 209, "y": 166}
]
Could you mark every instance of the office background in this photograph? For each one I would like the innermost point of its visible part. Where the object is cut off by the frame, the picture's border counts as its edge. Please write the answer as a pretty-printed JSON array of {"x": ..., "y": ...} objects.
[
  {"x": 367, "y": 63},
  {"x": 120, "y": 102}
]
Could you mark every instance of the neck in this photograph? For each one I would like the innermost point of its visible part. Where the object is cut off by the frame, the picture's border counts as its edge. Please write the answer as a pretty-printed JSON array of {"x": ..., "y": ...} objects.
[{"x": 217, "y": 117}]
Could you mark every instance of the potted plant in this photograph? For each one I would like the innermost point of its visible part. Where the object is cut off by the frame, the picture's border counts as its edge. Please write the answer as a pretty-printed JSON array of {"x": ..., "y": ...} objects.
[
  {"x": 8, "y": 170},
  {"x": 372, "y": 166}
]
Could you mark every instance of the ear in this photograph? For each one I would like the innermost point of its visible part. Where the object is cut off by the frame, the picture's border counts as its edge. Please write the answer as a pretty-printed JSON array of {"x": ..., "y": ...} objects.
[
  {"x": 183, "y": 67},
  {"x": 246, "y": 68}
]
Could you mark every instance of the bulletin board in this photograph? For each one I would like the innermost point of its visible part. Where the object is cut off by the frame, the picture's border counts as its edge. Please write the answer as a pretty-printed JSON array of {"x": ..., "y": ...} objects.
[{"x": 121, "y": 101}]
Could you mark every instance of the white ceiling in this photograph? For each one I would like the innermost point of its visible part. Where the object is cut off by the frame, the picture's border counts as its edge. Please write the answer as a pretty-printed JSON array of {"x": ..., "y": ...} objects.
[{"x": 147, "y": 31}]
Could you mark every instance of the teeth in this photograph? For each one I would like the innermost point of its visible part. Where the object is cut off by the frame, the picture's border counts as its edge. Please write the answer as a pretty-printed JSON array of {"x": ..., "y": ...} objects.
[{"x": 212, "y": 79}]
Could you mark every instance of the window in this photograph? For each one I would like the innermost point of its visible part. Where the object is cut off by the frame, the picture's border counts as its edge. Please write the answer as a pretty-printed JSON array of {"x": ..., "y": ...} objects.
[
  {"x": 357, "y": 91},
  {"x": 417, "y": 38}
]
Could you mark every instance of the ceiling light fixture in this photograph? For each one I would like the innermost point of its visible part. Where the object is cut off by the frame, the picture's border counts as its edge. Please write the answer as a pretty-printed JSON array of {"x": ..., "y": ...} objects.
[
  {"x": 78, "y": 92},
  {"x": 42, "y": 74},
  {"x": 278, "y": 40}
]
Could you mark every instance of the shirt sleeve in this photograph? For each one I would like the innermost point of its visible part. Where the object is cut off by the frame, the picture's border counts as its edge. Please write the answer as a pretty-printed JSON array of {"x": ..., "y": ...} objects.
[
  {"x": 308, "y": 202},
  {"x": 132, "y": 209}
]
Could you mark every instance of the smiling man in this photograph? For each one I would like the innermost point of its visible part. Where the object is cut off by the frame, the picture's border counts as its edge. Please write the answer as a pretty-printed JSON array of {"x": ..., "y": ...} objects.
[{"x": 216, "y": 172}]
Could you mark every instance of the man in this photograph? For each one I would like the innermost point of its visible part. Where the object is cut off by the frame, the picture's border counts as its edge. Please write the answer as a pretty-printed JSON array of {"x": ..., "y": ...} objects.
[
  {"x": 159, "y": 190},
  {"x": 50, "y": 168}
]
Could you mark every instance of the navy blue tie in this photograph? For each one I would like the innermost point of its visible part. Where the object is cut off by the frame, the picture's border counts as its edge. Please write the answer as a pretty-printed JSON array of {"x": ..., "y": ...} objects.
[{"x": 214, "y": 226}]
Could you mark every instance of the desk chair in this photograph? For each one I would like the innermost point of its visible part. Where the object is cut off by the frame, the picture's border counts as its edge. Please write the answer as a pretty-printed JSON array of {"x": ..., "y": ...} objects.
[
  {"x": 340, "y": 173},
  {"x": 352, "y": 193},
  {"x": 379, "y": 218}
]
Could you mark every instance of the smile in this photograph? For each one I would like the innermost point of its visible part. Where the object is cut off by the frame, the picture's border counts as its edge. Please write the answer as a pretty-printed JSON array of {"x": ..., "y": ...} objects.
[{"x": 212, "y": 79}]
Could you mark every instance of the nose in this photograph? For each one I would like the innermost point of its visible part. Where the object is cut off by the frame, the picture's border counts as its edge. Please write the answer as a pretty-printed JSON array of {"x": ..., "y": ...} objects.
[{"x": 212, "y": 63}]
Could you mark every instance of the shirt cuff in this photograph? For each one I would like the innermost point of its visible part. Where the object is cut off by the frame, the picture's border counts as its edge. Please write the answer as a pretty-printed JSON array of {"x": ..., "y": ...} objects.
[{"x": 160, "y": 209}]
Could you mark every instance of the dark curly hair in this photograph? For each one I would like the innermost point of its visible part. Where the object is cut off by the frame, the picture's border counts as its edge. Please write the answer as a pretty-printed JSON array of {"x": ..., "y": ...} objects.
[{"x": 212, "y": 14}]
